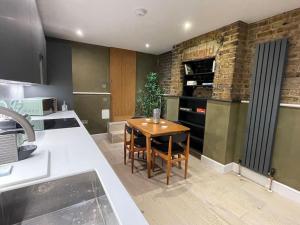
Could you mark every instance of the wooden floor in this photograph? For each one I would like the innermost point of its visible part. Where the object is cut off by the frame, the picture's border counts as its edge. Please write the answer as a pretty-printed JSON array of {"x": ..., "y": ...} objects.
[{"x": 206, "y": 197}]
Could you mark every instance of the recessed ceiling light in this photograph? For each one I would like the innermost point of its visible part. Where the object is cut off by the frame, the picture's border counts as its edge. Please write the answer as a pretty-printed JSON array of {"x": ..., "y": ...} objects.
[
  {"x": 79, "y": 33},
  {"x": 141, "y": 12},
  {"x": 147, "y": 45},
  {"x": 187, "y": 25}
]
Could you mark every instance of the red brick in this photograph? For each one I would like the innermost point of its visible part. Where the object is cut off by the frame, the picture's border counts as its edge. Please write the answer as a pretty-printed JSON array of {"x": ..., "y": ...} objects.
[{"x": 235, "y": 58}]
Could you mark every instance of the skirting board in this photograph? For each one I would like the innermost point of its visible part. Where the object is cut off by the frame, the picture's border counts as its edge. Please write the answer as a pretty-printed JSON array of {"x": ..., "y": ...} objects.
[
  {"x": 219, "y": 167},
  {"x": 277, "y": 187}
]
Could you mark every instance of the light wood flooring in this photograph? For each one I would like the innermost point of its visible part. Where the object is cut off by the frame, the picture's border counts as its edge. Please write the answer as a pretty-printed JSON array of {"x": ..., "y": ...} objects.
[{"x": 205, "y": 197}]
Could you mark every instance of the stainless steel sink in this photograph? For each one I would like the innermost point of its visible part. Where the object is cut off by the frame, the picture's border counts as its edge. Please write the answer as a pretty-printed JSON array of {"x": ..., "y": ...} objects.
[{"x": 78, "y": 199}]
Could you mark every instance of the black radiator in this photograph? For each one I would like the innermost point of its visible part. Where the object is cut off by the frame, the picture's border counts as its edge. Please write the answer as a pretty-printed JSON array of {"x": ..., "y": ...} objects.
[{"x": 266, "y": 80}]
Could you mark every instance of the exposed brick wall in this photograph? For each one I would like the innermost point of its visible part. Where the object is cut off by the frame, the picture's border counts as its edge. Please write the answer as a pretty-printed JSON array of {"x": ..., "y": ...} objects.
[
  {"x": 234, "y": 57},
  {"x": 228, "y": 46},
  {"x": 229, "y": 62},
  {"x": 279, "y": 26},
  {"x": 164, "y": 70},
  {"x": 238, "y": 81}
]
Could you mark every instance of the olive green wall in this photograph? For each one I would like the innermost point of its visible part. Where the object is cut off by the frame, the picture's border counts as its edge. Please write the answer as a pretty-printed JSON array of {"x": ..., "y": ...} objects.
[
  {"x": 171, "y": 108},
  {"x": 286, "y": 154},
  {"x": 232, "y": 132},
  {"x": 240, "y": 132},
  {"x": 88, "y": 107},
  {"x": 220, "y": 131},
  {"x": 286, "y": 151},
  {"x": 90, "y": 72},
  {"x": 225, "y": 133},
  {"x": 90, "y": 69},
  {"x": 145, "y": 63}
]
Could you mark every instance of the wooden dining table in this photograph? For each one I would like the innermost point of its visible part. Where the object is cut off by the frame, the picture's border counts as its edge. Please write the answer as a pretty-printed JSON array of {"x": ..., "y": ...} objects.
[{"x": 150, "y": 130}]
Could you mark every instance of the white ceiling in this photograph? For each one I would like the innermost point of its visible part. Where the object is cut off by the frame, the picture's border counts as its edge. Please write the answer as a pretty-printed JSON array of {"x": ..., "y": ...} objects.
[{"x": 114, "y": 22}]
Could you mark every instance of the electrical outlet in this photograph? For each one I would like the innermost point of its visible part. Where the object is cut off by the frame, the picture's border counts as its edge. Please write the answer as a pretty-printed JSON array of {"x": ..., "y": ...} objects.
[
  {"x": 105, "y": 114},
  {"x": 104, "y": 86}
]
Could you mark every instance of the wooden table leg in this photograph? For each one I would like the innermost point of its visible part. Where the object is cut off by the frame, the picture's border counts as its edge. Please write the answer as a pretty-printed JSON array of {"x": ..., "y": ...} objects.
[
  {"x": 148, "y": 145},
  {"x": 187, "y": 153}
]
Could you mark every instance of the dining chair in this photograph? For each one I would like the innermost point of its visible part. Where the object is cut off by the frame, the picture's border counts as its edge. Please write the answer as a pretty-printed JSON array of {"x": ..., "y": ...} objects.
[
  {"x": 135, "y": 144},
  {"x": 137, "y": 133},
  {"x": 172, "y": 152},
  {"x": 165, "y": 139}
]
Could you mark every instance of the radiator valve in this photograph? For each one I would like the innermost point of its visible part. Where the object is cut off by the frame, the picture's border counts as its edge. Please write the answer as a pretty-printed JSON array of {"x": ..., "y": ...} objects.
[{"x": 271, "y": 178}]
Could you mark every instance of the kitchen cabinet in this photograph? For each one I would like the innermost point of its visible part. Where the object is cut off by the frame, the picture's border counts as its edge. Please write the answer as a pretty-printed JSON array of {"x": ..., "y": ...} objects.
[
  {"x": 22, "y": 42},
  {"x": 38, "y": 45}
]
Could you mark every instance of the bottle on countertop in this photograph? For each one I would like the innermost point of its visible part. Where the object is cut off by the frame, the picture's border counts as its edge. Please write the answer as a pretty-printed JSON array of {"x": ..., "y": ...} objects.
[{"x": 64, "y": 107}]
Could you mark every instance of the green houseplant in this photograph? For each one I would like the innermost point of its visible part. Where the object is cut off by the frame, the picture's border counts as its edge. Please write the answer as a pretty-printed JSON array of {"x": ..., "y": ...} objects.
[{"x": 150, "y": 97}]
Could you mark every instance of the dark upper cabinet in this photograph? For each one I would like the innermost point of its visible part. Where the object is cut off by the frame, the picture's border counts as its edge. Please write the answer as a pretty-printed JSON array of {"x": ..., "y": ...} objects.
[
  {"x": 22, "y": 42},
  {"x": 39, "y": 44}
]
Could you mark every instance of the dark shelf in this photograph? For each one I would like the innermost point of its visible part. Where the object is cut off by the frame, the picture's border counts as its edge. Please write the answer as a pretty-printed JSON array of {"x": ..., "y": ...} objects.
[
  {"x": 209, "y": 79},
  {"x": 196, "y": 139},
  {"x": 206, "y": 86},
  {"x": 196, "y": 153},
  {"x": 199, "y": 74},
  {"x": 192, "y": 98},
  {"x": 197, "y": 60},
  {"x": 191, "y": 124},
  {"x": 197, "y": 113},
  {"x": 200, "y": 71}
]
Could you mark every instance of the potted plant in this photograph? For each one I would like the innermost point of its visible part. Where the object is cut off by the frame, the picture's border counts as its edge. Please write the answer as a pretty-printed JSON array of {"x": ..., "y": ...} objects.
[{"x": 150, "y": 97}]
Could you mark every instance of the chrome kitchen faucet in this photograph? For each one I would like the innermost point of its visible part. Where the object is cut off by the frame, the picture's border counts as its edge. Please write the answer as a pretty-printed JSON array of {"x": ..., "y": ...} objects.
[
  {"x": 9, "y": 151},
  {"x": 21, "y": 120}
]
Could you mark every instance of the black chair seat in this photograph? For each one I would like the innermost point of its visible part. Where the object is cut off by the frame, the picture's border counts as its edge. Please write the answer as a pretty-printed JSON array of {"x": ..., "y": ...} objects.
[
  {"x": 137, "y": 133},
  {"x": 140, "y": 142},
  {"x": 162, "y": 139},
  {"x": 163, "y": 147},
  {"x": 181, "y": 137},
  {"x": 176, "y": 138}
]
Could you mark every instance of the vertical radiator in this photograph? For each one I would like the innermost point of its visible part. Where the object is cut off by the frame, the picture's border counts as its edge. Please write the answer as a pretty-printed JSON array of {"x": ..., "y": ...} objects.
[{"x": 264, "y": 102}]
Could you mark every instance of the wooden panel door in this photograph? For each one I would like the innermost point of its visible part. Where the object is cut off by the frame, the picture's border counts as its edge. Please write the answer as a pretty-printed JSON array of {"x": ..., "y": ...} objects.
[{"x": 122, "y": 83}]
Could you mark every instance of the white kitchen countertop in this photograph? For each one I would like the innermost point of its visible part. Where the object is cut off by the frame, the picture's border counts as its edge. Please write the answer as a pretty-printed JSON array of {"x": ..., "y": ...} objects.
[
  {"x": 33, "y": 168},
  {"x": 73, "y": 151}
]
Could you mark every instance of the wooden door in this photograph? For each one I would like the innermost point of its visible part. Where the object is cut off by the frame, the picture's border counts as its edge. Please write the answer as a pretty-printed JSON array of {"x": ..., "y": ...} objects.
[{"x": 122, "y": 83}]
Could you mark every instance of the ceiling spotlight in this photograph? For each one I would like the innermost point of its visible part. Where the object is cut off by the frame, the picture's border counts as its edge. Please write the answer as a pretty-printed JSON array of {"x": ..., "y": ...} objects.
[
  {"x": 147, "y": 45},
  {"x": 187, "y": 25},
  {"x": 141, "y": 12},
  {"x": 79, "y": 33}
]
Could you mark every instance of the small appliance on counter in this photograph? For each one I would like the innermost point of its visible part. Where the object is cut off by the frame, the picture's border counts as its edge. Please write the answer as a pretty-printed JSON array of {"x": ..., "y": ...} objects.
[
  {"x": 39, "y": 106},
  {"x": 8, "y": 148},
  {"x": 12, "y": 139}
]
